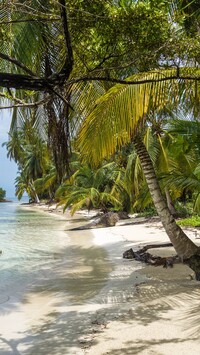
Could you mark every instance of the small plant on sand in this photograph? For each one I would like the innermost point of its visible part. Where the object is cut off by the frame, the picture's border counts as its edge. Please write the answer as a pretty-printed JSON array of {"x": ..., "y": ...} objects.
[{"x": 193, "y": 221}]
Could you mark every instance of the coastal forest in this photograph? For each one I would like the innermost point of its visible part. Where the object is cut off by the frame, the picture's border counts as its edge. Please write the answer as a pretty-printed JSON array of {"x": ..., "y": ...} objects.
[{"x": 105, "y": 99}]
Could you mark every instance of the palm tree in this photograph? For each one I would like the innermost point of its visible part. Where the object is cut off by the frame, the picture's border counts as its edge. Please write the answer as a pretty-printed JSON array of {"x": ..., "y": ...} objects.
[
  {"x": 123, "y": 111},
  {"x": 184, "y": 147},
  {"x": 50, "y": 70},
  {"x": 90, "y": 189},
  {"x": 48, "y": 183},
  {"x": 24, "y": 184},
  {"x": 53, "y": 57}
]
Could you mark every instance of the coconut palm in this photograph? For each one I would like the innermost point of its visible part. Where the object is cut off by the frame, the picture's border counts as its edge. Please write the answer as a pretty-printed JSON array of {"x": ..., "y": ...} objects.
[
  {"x": 51, "y": 71},
  {"x": 184, "y": 147},
  {"x": 56, "y": 51},
  {"x": 90, "y": 188},
  {"x": 24, "y": 184},
  {"x": 48, "y": 183},
  {"x": 123, "y": 112}
]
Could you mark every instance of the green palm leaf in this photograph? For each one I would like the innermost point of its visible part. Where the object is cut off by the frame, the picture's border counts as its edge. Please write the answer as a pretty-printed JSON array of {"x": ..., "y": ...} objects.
[{"x": 122, "y": 111}]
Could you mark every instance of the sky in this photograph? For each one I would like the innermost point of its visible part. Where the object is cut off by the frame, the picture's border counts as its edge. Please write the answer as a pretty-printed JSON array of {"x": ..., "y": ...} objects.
[{"x": 8, "y": 169}]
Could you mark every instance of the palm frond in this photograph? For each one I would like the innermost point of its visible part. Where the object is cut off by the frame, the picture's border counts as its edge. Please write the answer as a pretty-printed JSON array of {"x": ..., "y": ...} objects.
[
  {"x": 197, "y": 203},
  {"x": 123, "y": 109}
]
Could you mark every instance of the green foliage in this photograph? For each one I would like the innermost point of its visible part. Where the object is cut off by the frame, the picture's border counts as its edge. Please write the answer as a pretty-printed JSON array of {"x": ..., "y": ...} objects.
[
  {"x": 112, "y": 39},
  {"x": 90, "y": 189},
  {"x": 109, "y": 34},
  {"x": 184, "y": 209},
  {"x": 2, "y": 194},
  {"x": 193, "y": 221},
  {"x": 148, "y": 212},
  {"x": 130, "y": 106}
]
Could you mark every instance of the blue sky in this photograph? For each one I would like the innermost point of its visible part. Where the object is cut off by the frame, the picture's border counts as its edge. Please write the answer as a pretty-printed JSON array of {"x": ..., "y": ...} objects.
[{"x": 8, "y": 169}]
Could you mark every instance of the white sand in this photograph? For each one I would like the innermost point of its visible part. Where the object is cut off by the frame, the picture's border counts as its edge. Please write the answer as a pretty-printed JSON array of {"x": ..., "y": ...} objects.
[
  {"x": 140, "y": 309},
  {"x": 164, "y": 314}
]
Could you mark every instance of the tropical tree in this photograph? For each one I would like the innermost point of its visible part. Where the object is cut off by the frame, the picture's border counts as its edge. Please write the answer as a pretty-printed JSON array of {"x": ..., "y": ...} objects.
[
  {"x": 123, "y": 112},
  {"x": 51, "y": 52},
  {"x": 184, "y": 148},
  {"x": 25, "y": 184},
  {"x": 2, "y": 194},
  {"x": 47, "y": 185},
  {"x": 55, "y": 49},
  {"x": 27, "y": 146},
  {"x": 90, "y": 188}
]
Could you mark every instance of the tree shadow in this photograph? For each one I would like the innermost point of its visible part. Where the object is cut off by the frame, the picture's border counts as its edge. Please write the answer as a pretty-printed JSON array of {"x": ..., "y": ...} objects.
[
  {"x": 79, "y": 275},
  {"x": 136, "y": 347}
]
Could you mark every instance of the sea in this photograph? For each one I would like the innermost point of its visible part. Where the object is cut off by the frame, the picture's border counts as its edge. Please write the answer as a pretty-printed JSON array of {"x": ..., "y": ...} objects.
[
  {"x": 28, "y": 242},
  {"x": 41, "y": 257},
  {"x": 35, "y": 246}
]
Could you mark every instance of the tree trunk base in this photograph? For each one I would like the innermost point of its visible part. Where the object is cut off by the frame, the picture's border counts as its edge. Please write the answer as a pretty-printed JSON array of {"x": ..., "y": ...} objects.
[
  {"x": 143, "y": 256},
  {"x": 194, "y": 263}
]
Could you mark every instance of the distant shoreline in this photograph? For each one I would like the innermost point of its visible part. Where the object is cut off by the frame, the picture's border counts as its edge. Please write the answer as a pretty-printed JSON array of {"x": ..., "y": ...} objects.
[{"x": 2, "y": 201}]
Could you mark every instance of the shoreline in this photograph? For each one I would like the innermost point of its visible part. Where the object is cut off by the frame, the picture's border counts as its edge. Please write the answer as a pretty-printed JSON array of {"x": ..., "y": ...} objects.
[{"x": 152, "y": 306}]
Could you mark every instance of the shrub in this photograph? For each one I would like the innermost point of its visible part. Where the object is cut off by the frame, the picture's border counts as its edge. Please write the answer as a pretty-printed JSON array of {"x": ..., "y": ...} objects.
[
  {"x": 193, "y": 221},
  {"x": 2, "y": 194}
]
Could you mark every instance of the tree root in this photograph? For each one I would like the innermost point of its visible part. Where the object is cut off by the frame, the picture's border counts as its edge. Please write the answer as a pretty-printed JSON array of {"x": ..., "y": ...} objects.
[{"x": 145, "y": 257}]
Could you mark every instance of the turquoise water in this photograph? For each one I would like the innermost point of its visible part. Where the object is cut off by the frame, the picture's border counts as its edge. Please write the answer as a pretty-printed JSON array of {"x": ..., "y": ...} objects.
[
  {"x": 29, "y": 241},
  {"x": 62, "y": 269},
  {"x": 38, "y": 256}
]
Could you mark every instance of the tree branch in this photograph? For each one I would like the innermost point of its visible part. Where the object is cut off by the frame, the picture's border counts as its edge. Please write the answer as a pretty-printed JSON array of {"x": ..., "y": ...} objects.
[
  {"x": 135, "y": 82},
  {"x": 69, "y": 61},
  {"x": 30, "y": 20},
  {"x": 17, "y": 63},
  {"x": 20, "y": 103},
  {"x": 25, "y": 82}
]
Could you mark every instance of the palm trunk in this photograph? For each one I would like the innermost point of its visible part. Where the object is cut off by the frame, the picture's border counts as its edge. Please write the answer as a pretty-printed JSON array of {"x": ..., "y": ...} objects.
[
  {"x": 170, "y": 202},
  {"x": 184, "y": 247},
  {"x": 36, "y": 198}
]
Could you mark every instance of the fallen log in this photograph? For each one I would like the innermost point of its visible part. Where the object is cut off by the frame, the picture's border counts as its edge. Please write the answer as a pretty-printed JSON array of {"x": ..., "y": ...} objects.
[{"x": 108, "y": 219}]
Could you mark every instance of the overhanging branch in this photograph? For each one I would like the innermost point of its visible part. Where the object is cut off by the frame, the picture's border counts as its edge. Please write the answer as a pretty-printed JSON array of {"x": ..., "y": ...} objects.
[
  {"x": 17, "y": 63},
  {"x": 27, "y": 82},
  {"x": 135, "y": 82}
]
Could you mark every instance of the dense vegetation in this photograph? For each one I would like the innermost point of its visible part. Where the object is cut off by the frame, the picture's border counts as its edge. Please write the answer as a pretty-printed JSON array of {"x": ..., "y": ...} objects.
[
  {"x": 129, "y": 38},
  {"x": 2, "y": 194},
  {"x": 105, "y": 99}
]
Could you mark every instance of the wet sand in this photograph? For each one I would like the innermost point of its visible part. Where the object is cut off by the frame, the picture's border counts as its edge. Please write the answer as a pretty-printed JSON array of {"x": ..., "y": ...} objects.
[{"x": 127, "y": 308}]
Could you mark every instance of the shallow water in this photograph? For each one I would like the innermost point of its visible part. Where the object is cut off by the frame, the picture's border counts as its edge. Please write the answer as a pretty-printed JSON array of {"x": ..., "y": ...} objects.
[
  {"x": 38, "y": 256},
  {"x": 56, "y": 285}
]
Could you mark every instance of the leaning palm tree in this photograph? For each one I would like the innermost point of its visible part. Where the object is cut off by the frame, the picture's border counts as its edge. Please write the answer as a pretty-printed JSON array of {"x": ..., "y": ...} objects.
[{"x": 119, "y": 117}]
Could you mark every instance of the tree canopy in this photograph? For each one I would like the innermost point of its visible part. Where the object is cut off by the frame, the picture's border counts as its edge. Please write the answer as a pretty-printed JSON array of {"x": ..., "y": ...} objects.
[{"x": 57, "y": 59}]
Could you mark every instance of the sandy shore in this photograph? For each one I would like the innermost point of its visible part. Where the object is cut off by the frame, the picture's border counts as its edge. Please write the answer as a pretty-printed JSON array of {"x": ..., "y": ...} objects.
[
  {"x": 139, "y": 310},
  {"x": 151, "y": 310},
  {"x": 163, "y": 314}
]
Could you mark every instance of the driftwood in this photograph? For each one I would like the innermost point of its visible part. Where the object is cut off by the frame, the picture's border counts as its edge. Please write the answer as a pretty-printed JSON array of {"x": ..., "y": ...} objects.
[
  {"x": 145, "y": 257},
  {"x": 105, "y": 220}
]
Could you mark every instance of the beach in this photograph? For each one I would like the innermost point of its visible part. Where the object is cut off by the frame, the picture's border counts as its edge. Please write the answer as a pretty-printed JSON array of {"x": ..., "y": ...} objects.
[
  {"x": 162, "y": 315},
  {"x": 134, "y": 309}
]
